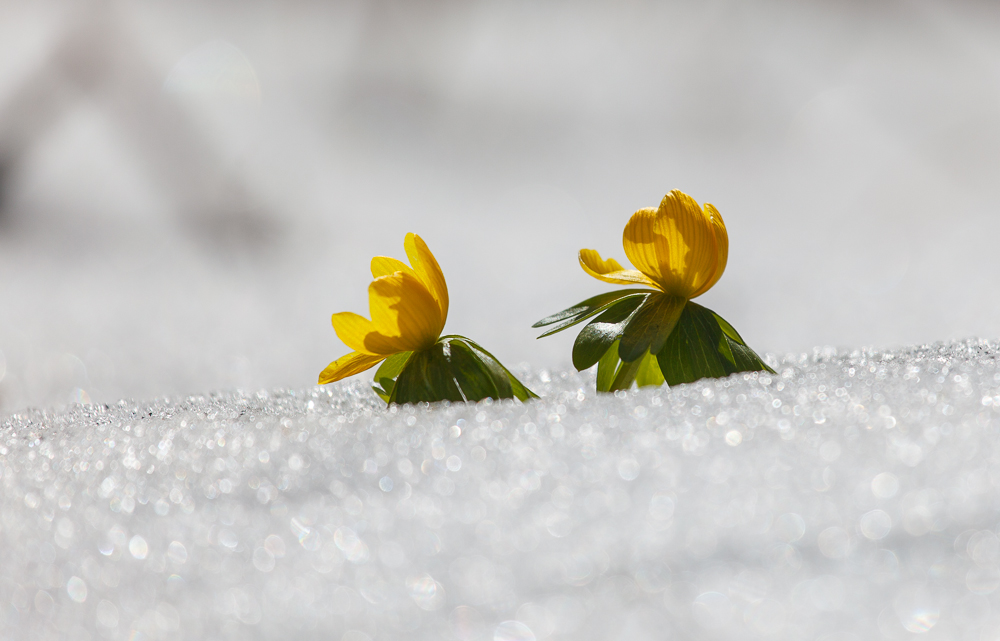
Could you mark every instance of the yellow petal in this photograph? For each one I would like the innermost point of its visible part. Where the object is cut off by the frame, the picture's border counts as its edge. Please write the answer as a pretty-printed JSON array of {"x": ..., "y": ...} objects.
[
  {"x": 383, "y": 266},
  {"x": 722, "y": 243},
  {"x": 673, "y": 245},
  {"x": 428, "y": 270},
  {"x": 404, "y": 312},
  {"x": 610, "y": 271},
  {"x": 638, "y": 242},
  {"x": 360, "y": 334},
  {"x": 349, "y": 365}
]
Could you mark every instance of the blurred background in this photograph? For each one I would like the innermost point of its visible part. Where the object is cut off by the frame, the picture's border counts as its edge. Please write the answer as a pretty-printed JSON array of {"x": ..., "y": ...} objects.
[{"x": 188, "y": 190}]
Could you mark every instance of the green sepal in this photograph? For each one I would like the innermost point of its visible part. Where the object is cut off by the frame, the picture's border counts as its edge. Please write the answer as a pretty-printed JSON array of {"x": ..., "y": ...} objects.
[
  {"x": 454, "y": 369},
  {"x": 586, "y": 309},
  {"x": 385, "y": 375},
  {"x": 704, "y": 345},
  {"x": 596, "y": 338}
]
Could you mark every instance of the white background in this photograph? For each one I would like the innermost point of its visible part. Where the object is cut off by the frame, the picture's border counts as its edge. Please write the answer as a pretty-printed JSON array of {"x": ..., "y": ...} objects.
[{"x": 191, "y": 189}]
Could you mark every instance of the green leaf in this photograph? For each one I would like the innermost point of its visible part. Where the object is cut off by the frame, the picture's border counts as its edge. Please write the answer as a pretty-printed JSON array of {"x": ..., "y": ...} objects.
[
  {"x": 599, "y": 334},
  {"x": 650, "y": 326},
  {"x": 607, "y": 367},
  {"x": 728, "y": 329},
  {"x": 625, "y": 375},
  {"x": 589, "y": 305},
  {"x": 703, "y": 347},
  {"x": 744, "y": 358},
  {"x": 613, "y": 374},
  {"x": 476, "y": 376},
  {"x": 385, "y": 375},
  {"x": 427, "y": 377},
  {"x": 520, "y": 392},
  {"x": 692, "y": 351},
  {"x": 453, "y": 369},
  {"x": 649, "y": 374},
  {"x": 586, "y": 309}
]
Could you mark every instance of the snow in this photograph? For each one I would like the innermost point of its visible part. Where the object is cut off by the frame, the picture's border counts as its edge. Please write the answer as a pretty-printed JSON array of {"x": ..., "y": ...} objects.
[{"x": 850, "y": 496}]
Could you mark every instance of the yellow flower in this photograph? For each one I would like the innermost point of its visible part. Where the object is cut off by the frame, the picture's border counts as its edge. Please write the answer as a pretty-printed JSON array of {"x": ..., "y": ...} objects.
[
  {"x": 638, "y": 336},
  {"x": 408, "y": 306},
  {"x": 679, "y": 248}
]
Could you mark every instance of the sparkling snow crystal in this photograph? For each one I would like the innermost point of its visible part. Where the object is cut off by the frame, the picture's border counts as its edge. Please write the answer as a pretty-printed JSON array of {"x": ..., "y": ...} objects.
[{"x": 849, "y": 497}]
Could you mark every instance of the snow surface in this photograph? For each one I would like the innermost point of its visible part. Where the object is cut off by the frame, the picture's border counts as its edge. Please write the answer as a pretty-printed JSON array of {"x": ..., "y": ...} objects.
[{"x": 849, "y": 496}]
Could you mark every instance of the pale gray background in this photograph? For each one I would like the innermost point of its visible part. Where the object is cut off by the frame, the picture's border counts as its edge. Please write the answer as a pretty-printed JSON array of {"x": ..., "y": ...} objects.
[{"x": 190, "y": 189}]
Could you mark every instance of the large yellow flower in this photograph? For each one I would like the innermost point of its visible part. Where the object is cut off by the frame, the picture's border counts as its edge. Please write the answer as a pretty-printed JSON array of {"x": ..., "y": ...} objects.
[
  {"x": 654, "y": 336},
  {"x": 408, "y": 306},
  {"x": 679, "y": 248}
]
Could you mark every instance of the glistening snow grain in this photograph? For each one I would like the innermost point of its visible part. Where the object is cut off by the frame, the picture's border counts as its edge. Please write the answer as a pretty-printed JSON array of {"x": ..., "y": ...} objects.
[{"x": 850, "y": 496}]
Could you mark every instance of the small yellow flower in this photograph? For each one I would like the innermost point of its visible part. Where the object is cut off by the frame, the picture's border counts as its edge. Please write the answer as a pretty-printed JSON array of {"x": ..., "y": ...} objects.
[
  {"x": 679, "y": 248},
  {"x": 408, "y": 306}
]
